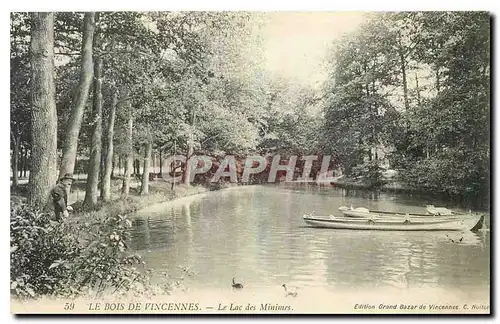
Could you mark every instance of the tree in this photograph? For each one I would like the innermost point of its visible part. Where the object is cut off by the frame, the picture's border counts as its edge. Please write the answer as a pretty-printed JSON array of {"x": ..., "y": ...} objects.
[
  {"x": 358, "y": 114},
  {"x": 454, "y": 122},
  {"x": 403, "y": 36},
  {"x": 291, "y": 124},
  {"x": 96, "y": 145},
  {"x": 78, "y": 105},
  {"x": 44, "y": 116},
  {"x": 20, "y": 105},
  {"x": 148, "y": 147},
  {"x": 130, "y": 146},
  {"x": 108, "y": 166}
]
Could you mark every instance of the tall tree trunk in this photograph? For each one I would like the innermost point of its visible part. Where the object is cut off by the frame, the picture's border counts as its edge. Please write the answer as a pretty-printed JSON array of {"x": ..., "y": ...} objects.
[
  {"x": 137, "y": 172},
  {"x": 129, "y": 159},
  {"x": 22, "y": 151},
  {"x": 371, "y": 114},
  {"x": 161, "y": 165},
  {"x": 108, "y": 168},
  {"x": 15, "y": 161},
  {"x": 190, "y": 151},
  {"x": 119, "y": 165},
  {"x": 116, "y": 165},
  {"x": 126, "y": 176},
  {"x": 103, "y": 159},
  {"x": 418, "y": 90},
  {"x": 145, "y": 172},
  {"x": 81, "y": 94},
  {"x": 25, "y": 162},
  {"x": 174, "y": 165},
  {"x": 44, "y": 116},
  {"x": 95, "y": 151},
  {"x": 187, "y": 167},
  {"x": 20, "y": 161},
  {"x": 405, "y": 83}
]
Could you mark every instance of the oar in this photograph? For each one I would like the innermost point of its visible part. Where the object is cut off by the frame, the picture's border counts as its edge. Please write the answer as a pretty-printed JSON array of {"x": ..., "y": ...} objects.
[{"x": 402, "y": 214}]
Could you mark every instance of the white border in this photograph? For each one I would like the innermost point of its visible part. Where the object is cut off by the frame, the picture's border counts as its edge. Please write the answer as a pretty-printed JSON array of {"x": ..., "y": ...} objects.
[{"x": 255, "y": 5}]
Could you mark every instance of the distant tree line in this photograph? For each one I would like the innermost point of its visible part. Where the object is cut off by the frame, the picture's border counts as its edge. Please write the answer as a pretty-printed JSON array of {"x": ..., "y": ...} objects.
[
  {"x": 410, "y": 90},
  {"x": 117, "y": 87},
  {"x": 416, "y": 85}
]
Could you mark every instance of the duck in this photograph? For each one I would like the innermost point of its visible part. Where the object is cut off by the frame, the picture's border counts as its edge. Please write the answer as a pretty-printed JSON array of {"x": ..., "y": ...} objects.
[
  {"x": 289, "y": 293},
  {"x": 236, "y": 285},
  {"x": 457, "y": 241},
  {"x": 359, "y": 209},
  {"x": 438, "y": 210}
]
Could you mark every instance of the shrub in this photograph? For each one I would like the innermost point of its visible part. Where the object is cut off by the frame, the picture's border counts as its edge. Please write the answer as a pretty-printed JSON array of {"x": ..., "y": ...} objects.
[
  {"x": 36, "y": 244},
  {"x": 70, "y": 259},
  {"x": 371, "y": 171}
]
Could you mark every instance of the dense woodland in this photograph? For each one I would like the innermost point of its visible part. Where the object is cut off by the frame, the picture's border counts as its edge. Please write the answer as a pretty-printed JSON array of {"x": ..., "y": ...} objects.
[
  {"x": 417, "y": 84},
  {"x": 406, "y": 91}
]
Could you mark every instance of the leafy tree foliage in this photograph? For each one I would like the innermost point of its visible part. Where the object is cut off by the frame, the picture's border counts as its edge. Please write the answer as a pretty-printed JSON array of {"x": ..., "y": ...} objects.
[{"x": 436, "y": 129}]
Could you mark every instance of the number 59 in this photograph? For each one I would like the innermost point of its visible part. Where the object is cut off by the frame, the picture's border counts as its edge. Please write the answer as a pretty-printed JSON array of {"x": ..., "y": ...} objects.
[{"x": 69, "y": 306}]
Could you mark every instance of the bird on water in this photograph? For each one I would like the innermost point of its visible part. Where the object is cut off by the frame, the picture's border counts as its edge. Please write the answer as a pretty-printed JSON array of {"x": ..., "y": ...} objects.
[
  {"x": 236, "y": 285},
  {"x": 455, "y": 241},
  {"x": 289, "y": 293}
]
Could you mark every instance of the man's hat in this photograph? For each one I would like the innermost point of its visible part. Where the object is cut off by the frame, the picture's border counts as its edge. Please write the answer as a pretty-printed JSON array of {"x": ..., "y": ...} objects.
[{"x": 67, "y": 176}]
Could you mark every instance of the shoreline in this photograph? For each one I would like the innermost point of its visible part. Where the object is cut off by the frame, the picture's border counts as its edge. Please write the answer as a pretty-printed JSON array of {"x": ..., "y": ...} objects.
[
  {"x": 185, "y": 198},
  {"x": 393, "y": 186},
  {"x": 160, "y": 193}
]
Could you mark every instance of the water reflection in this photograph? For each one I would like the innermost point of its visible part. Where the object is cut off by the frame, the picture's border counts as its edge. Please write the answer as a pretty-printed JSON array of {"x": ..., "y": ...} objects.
[{"x": 257, "y": 235}]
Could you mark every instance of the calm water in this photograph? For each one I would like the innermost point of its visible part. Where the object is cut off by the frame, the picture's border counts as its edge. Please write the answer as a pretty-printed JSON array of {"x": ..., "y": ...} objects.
[{"x": 257, "y": 235}]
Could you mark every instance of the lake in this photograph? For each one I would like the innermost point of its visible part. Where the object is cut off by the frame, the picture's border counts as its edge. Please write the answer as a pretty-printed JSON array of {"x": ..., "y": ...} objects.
[{"x": 256, "y": 234}]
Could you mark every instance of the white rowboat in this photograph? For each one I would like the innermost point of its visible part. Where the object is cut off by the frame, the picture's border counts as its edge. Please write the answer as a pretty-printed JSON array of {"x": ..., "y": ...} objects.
[
  {"x": 365, "y": 212},
  {"x": 463, "y": 222}
]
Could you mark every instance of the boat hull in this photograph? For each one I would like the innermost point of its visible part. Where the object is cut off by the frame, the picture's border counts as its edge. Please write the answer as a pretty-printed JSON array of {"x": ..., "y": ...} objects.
[
  {"x": 445, "y": 223},
  {"x": 364, "y": 214}
]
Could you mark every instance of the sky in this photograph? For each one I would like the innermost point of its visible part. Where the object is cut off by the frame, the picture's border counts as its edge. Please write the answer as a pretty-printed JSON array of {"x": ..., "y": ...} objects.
[{"x": 296, "y": 43}]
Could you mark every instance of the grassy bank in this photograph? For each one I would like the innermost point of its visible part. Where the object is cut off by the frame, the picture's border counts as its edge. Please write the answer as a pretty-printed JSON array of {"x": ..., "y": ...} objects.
[
  {"x": 159, "y": 192},
  {"x": 87, "y": 254}
]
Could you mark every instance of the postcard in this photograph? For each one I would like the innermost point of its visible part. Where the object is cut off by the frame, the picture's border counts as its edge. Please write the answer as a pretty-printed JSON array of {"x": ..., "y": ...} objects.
[{"x": 230, "y": 162}]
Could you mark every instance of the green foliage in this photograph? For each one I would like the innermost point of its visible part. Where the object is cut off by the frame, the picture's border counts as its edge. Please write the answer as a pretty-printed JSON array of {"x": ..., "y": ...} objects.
[
  {"x": 415, "y": 84},
  {"x": 291, "y": 123},
  {"x": 369, "y": 171},
  {"x": 190, "y": 80},
  {"x": 20, "y": 110},
  {"x": 69, "y": 259},
  {"x": 451, "y": 130},
  {"x": 436, "y": 128},
  {"x": 358, "y": 114},
  {"x": 37, "y": 243}
]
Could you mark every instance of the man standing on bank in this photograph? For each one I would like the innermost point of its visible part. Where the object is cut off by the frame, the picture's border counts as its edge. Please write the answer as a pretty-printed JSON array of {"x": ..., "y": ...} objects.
[{"x": 59, "y": 195}]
